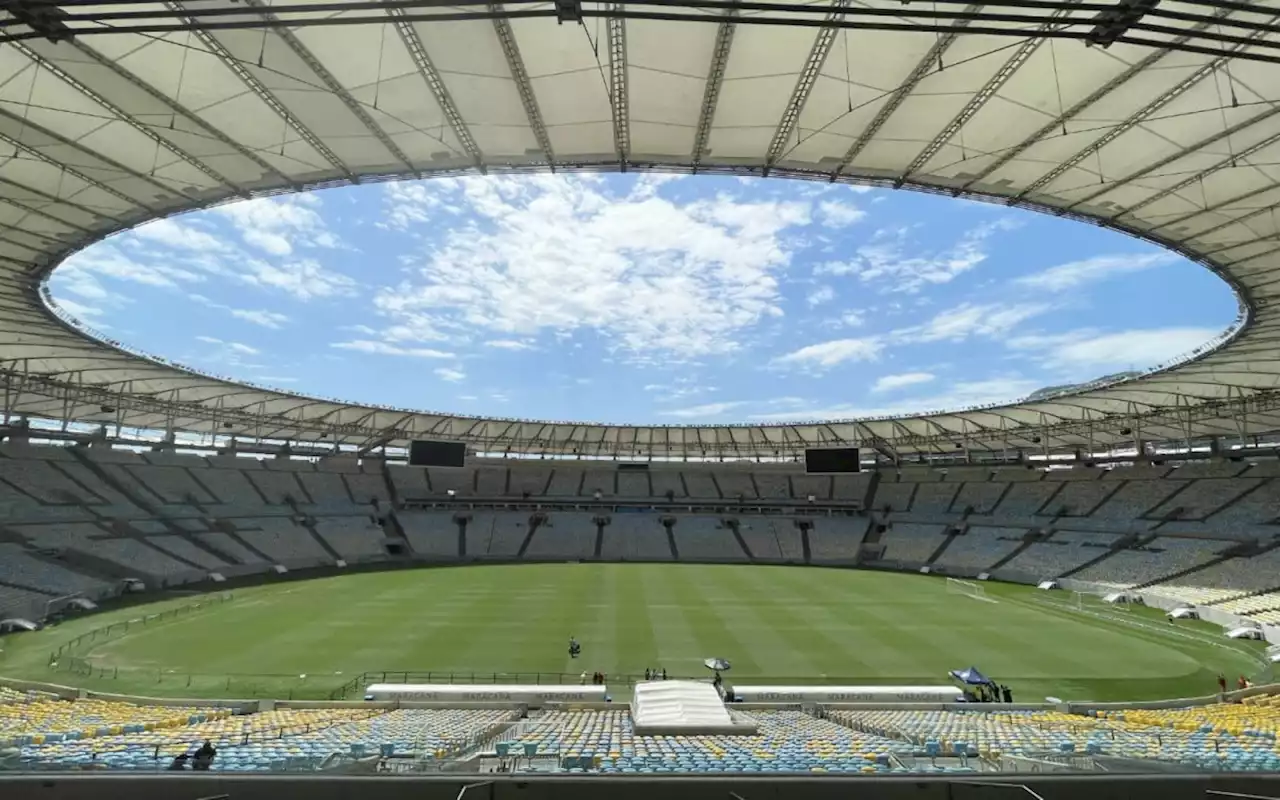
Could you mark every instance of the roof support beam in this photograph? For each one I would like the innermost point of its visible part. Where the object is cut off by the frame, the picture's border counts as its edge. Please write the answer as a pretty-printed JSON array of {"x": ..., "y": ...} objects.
[
  {"x": 975, "y": 104},
  {"x": 37, "y": 212},
  {"x": 429, "y": 73},
  {"x": 261, "y": 92},
  {"x": 1230, "y": 161},
  {"x": 809, "y": 73},
  {"x": 80, "y": 176},
  {"x": 932, "y": 60},
  {"x": 618, "y": 97},
  {"x": 1059, "y": 122},
  {"x": 58, "y": 201},
  {"x": 184, "y": 112},
  {"x": 53, "y": 69},
  {"x": 1240, "y": 198},
  {"x": 711, "y": 91},
  {"x": 511, "y": 50},
  {"x": 330, "y": 82},
  {"x": 1162, "y": 100},
  {"x": 112, "y": 163}
]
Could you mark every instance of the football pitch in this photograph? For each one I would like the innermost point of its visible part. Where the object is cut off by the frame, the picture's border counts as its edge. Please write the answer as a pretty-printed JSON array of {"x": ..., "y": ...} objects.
[{"x": 512, "y": 623}]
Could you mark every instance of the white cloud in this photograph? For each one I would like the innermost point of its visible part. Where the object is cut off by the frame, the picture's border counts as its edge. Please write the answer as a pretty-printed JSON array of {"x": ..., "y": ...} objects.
[
  {"x": 965, "y": 394},
  {"x": 508, "y": 344},
  {"x": 889, "y": 383},
  {"x": 837, "y": 214},
  {"x": 1133, "y": 349},
  {"x": 467, "y": 397},
  {"x": 234, "y": 347},
  {"x": 304, "y": 279},
  {"x": 705, "y": 411},
  {"x": 175, "y": 234},
  {"x": 968, "y": 320},
  {"x": 892, "y": 258},
  {"x": 450, "y": 374},
  {"x": 829, "y": 354},
  {"x": 108, "y": 261},
  {"x": 279, "y": 225},
  {"x": 560, "y": 254},
  {"x": 823, "y": 294},
  {"x": 267, "y": 319},
  {"x": 853, "y": 319},
  {"x": 387, "y": 349},
  {"x": 1090, "y": 270}
]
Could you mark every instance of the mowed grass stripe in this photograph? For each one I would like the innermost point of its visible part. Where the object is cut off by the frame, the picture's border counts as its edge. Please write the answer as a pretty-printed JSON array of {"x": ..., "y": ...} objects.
[
  {"x": 783, "y": 622},
  {"x": 678, "y": 646},
  {"x": 696, "y": 590}
]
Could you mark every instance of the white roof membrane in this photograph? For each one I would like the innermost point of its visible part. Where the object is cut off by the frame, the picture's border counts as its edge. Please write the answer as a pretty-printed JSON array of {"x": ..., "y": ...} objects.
[{"x": 109, "y": 130}]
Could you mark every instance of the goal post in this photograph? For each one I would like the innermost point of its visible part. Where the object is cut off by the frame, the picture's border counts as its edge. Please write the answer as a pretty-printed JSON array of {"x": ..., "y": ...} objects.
[{"x": 969, "y": 588}]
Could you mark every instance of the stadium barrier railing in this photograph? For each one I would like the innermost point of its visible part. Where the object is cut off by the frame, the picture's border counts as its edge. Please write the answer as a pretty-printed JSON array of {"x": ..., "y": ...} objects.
[{"x": 115, "y": 629}]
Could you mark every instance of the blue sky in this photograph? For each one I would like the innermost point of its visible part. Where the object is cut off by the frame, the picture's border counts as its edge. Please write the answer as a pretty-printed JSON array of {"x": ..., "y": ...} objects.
[{"x": 646, "y": 299}]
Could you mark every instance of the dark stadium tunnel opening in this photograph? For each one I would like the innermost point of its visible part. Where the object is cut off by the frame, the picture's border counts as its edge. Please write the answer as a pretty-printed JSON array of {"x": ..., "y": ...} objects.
[{"x": 644, "y": 298}]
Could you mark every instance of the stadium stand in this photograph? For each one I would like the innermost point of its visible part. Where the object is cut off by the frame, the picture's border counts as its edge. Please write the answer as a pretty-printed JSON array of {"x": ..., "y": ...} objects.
[
  {"x": 564, "y": 536},
  {"x": 497, "y": 535},
  {"x": 934, "y": 498},
  {"x": 431, "y": 533},
  {"x": 979, "y": 498},
  {"x": 117, "y": 735},
  {"x": 83, "y": 519},
  {"x": 836, "y": 540},
  {"x": 1162, "y": 557},
  {"x": 634, "y": 484},
  {"x": 911, "y": 543},
  {"x": 21, "y": 568},
  {"x": 761, "y": 538},
  {"x": 734, "y": 484},
  {"x": 635, "y": 537},
  {"x": 701, "y": 538},
  {"x": 1229, "y": 579},
  {"x": 1061, "y": 553},
  {"x": 353, "y": 538},
  {"x": 980, "y": 548},
  {"x": 788, "y": 741}
]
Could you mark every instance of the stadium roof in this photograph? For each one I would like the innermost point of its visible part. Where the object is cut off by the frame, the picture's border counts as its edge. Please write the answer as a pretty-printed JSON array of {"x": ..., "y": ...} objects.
[{"x": 1162, "y": 121}]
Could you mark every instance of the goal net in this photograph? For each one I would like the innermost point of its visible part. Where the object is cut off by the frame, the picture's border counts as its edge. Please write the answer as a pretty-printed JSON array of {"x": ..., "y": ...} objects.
[
  {"x": 957, "y": 586},
  {"x": 1095, "y": 602}
]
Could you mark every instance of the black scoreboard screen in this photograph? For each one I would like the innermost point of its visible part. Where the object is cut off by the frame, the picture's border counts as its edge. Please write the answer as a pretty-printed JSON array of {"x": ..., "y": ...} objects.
[
  {"x": 833, "y": 459},
  {"x": 424, "y": 453}
]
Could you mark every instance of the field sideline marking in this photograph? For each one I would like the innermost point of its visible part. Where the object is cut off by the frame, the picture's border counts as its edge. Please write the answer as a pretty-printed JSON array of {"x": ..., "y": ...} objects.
[{"x": 1171, "y": 634}]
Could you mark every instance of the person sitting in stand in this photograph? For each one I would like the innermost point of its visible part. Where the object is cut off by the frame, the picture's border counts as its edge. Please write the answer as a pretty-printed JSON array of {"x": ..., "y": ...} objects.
[{"x": 204, "y": 756}]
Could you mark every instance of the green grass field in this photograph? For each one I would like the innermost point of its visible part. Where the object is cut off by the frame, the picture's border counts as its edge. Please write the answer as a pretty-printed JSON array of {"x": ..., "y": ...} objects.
[{"x": 775, "y": 624}]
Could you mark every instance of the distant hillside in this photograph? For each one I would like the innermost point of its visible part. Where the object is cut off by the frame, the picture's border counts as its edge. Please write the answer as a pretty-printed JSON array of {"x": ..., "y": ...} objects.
[{"x": 1049, "y": 391}]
